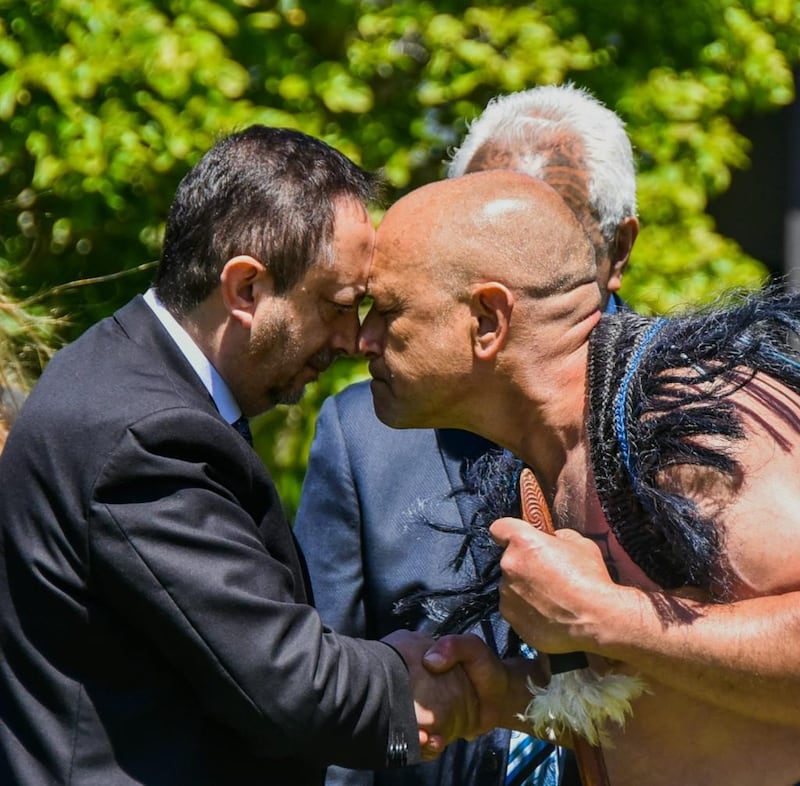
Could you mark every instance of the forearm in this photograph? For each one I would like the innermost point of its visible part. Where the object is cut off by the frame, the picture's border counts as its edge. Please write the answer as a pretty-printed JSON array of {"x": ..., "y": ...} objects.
[{"x": 742, "y": 656}]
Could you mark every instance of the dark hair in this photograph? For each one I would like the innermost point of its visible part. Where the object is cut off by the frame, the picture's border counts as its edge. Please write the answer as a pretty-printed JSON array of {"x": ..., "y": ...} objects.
[{"x": 265, "y": 192}]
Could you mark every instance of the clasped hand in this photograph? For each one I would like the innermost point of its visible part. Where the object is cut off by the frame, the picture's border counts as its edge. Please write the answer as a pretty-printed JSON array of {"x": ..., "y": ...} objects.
[{"x": 461, "y": 688}]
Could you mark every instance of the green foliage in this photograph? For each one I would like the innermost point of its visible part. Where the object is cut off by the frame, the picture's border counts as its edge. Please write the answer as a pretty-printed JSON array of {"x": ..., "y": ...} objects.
[
  {"x": 27, "y": 342},
  {"x": 105, "y": 104}
]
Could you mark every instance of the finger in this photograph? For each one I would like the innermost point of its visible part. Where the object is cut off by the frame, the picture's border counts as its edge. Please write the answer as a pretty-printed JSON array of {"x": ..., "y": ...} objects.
[
  {"x": 506, "y": 599},
  {"x": 569, "y": 535},
  {"x": 449, "y": 651},
  {"x": 572, "y": 536}
]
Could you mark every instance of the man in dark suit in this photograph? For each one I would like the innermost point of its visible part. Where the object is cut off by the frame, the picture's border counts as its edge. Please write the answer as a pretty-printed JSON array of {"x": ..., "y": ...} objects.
[
  {"x": 153, "y": 614},
  {"x": 370, "y": 489}
]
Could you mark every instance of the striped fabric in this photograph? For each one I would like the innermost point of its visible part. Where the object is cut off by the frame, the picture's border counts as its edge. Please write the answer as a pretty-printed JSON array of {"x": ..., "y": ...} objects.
[{"x": 531, "y": 762}]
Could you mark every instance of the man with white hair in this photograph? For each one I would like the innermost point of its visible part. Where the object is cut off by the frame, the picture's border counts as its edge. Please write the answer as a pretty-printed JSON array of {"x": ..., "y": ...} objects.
[{"x": 566, "y": 137}]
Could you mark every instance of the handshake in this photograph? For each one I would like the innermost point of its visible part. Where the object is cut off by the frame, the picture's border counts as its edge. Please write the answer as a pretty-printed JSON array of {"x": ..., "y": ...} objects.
[{"x": 461, "y": 688}]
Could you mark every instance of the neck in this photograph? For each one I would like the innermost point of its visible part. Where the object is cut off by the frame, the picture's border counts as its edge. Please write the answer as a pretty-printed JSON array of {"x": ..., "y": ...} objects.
[
  {"x": 534, "y": 402},
  {"x": 206, "y": 325},
  {"x": 539, "y": 418},
  {"x": 556, "y": 426}
]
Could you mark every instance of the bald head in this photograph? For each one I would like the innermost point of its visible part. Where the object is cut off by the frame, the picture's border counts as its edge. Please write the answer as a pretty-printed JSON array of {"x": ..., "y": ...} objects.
[
  {"x": 569, "y": 139},
  {"x": 455, "y": 264},
  {"x": 495, "y": 225}
]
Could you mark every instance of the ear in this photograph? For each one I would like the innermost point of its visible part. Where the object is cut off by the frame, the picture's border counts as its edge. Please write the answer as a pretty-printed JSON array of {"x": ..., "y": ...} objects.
[
  {"x": 491, "y": 304},
  {"x": 241, "y": 281},
  {"x": 626, "y": 235}
]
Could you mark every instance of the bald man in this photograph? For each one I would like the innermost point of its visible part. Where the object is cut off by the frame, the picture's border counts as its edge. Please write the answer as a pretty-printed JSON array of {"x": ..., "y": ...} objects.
[{"x": 486, "y": 317}]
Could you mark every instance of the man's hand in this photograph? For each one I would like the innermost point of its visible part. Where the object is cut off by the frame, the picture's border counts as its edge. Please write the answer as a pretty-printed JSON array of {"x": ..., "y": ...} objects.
[
  {"x": 446, "y": 704},
  {"x": 555, "y": 591},
  {"x": 500, "y": 685}
]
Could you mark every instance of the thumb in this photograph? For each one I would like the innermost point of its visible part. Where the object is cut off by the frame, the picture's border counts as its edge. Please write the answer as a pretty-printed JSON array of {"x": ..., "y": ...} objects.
[
  {"x": 449, "y": 651},
  {"x": 504, "y": 529}
]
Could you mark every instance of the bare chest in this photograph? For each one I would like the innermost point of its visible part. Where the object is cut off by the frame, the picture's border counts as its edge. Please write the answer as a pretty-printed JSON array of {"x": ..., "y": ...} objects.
[
  {"x": 577, "y": 506},
  {"x": 673, "y": 739}
]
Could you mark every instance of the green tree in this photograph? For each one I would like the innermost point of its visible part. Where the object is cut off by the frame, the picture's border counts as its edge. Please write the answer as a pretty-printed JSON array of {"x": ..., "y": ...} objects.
[{"x": 105, "y": 104}]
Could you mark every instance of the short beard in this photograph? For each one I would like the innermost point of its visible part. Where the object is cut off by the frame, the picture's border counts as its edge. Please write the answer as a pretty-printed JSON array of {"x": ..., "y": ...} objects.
[
  {"x": 320, "y": 361},
  {"x": 281, "y": 343},
  {"x": 288, "y": 396},
  {"x": 275, "y": 344}
]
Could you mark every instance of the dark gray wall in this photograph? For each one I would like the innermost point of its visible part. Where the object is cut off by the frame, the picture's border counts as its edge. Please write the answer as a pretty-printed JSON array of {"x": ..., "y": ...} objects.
[{"x": 761, "y": 210}]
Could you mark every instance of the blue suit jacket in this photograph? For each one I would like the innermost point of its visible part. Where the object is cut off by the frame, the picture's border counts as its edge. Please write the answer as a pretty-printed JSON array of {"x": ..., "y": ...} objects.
[{"x": 361, "y": 525}]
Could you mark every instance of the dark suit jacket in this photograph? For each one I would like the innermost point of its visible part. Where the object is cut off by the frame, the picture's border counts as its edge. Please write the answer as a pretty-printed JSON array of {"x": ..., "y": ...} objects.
[
  {"x": 153, "y": 621},
  {"x": 361, "y": 525}
]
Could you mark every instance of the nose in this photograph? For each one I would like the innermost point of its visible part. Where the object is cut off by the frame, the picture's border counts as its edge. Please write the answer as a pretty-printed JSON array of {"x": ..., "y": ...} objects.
[
  {"x": 345, "y": 339},
  {"x": 370, "y": 337}
]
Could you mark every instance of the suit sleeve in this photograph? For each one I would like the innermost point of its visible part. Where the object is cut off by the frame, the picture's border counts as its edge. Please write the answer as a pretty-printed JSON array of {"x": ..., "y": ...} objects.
[{"x": 186, "y": 543}]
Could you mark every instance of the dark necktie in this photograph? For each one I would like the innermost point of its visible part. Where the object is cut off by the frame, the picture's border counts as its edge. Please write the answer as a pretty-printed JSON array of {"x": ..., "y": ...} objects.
[{"x": 242, "y": 425}]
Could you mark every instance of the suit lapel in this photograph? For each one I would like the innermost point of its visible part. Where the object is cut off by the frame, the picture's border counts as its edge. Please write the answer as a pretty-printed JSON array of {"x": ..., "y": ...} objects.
[
  {"x": 141, "y": 325},
  {"x": 459, "y": 449}
]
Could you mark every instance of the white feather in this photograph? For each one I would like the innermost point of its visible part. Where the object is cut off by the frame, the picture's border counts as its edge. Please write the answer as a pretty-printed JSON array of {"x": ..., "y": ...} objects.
[{"x": 581, "y": 702}]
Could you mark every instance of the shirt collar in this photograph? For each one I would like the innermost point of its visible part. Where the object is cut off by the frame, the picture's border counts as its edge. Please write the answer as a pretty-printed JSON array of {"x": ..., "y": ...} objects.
[{"x": 209, "y": 376}]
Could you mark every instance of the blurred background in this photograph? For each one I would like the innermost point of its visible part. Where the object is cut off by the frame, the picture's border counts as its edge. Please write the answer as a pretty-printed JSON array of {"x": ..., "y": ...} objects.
[{"x": 105, "y": 104}]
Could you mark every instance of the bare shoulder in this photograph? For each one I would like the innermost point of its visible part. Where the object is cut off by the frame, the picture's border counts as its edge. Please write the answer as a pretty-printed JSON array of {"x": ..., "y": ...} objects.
[{"x": 758, "y": 509}]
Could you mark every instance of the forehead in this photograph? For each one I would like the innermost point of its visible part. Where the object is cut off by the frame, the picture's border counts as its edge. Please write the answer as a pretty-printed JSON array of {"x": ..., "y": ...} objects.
[
  {"x": 353, "y": 232},
  {"x": 352, "y": 248},
  {"x": 382, "y": 279},
  {"x": 530, "y": 146},
  {"x": 544, "y": 149},
  {"x": 353, "y": 238},
  {"x": 391, "y": 261}
]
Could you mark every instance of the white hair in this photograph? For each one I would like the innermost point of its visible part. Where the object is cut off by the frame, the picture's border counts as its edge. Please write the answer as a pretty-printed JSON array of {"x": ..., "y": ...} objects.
[{"x": 607, "y": 149}]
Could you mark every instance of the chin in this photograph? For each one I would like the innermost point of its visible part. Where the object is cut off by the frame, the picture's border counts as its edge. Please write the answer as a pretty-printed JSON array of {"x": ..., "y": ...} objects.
[
  {"x": 391, "y": 417},
  {"x": 292, "y": 396},
  {"x": 287, "y": 394},
  {"x": 382, "y": 410},
  {"x": 389, "y": 408}
]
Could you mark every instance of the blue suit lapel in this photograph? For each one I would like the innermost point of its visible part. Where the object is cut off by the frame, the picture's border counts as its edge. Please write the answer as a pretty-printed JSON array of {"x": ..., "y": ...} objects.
[{"x": 458, "y": 449}]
